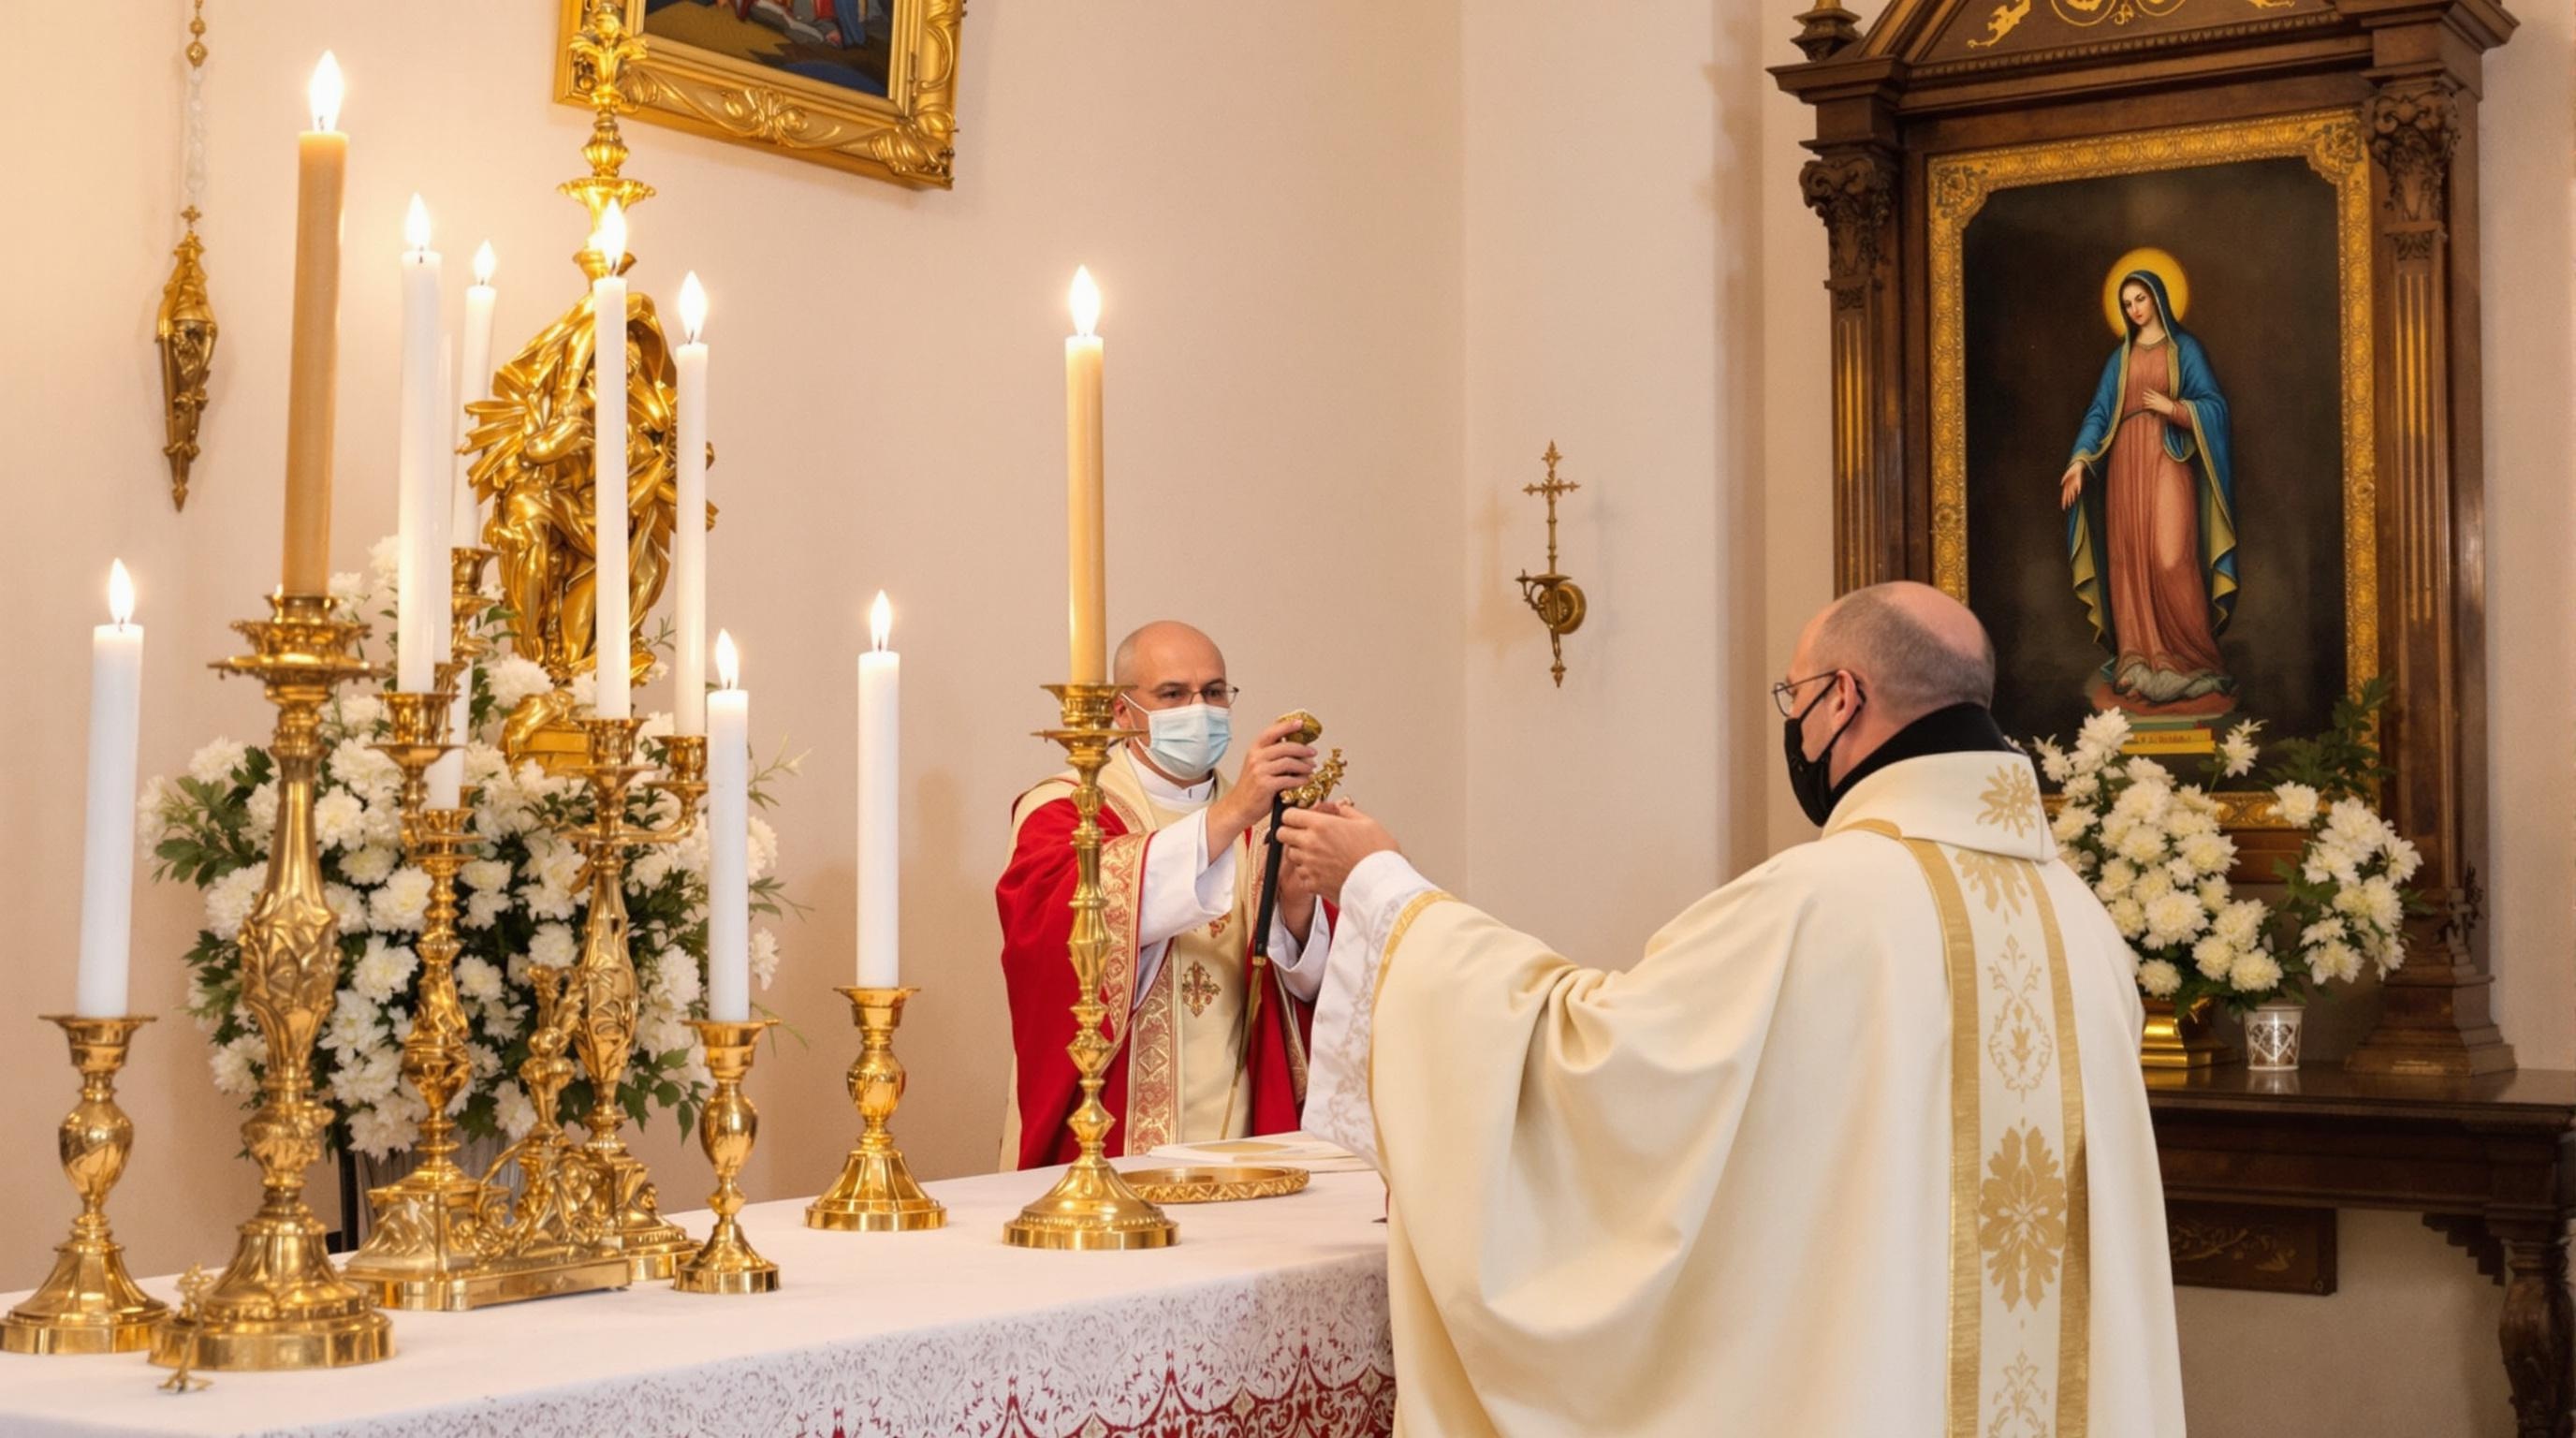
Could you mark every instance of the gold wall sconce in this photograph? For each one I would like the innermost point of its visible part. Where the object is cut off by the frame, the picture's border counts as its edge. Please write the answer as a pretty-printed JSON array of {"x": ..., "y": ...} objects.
[
  {"x": 184, "y": 326},
  {"x": 1557, "y": 600}
]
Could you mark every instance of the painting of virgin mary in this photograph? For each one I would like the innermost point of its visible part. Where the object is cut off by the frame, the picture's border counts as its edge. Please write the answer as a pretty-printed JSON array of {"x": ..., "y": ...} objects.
[{"x": 2150, "y": 500}]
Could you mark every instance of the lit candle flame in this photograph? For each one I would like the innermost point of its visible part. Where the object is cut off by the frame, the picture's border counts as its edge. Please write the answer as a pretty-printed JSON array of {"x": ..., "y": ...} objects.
[
  {"x": 610, "y": 238},
  {"x": 693, "y": 307},
  {"x": 728, "y": 665},
  {"x": 1086, "y": 302},
  {"x": 484, "y": 264},
  {"x": 120, "y": 594},
  {"x": 416, "y": 226},
  {"x": 325, "y": 93},
  {"x": 880, "y": 621}
]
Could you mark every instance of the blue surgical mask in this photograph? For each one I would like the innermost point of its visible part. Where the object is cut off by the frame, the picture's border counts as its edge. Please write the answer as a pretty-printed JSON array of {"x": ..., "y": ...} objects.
[{"x": 1187, "y": 742}]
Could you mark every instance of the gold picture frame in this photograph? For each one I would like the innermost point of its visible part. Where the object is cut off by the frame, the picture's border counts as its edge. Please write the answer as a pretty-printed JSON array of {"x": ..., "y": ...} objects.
[
  {"x": 2333, "y": 144},
  {"x": 907, "y": 136}
]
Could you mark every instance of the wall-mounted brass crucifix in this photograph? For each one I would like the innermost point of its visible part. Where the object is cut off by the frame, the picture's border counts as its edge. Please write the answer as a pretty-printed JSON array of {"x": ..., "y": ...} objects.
[{"x": 1557, "y": 600}]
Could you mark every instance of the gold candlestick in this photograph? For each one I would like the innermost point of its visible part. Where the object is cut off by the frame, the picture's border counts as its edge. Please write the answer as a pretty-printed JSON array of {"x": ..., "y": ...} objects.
[
  {"x": 876, "y": 1192},
  {"x": 89, "y": 1304},
  {"x": 727, "y": 1263},
  {"x": 1091, "y": 1207},
  {"x": 280, "y": 1304},
  {"x": 605, "y": 978}
]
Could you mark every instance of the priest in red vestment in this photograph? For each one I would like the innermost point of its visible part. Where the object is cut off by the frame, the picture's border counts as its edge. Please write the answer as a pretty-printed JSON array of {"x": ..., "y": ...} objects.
[{"x": 1180, "y": 865}]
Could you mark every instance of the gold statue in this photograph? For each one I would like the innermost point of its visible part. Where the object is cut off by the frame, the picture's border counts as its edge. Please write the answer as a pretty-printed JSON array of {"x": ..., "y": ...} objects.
[{"x": 533, "y": 441}]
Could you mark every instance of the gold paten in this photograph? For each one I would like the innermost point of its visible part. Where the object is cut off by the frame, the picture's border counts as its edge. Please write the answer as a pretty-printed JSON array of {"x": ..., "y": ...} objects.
[
  {"x": 2180, "y": 1040},
  {"x": 1216, "y": 1185},
  {"x": 727, "y": 1263},
  {"x": 532, "y": 440},
  {"x": 280, "y": 1304},
  {"x": 1090, "y": 1207},
  {"x": 1557, "y": 600},
  {"x": 89, "y": 1304},
  {"x": 629, "y": 1213},
  {"x": 876, "y": 1192}
]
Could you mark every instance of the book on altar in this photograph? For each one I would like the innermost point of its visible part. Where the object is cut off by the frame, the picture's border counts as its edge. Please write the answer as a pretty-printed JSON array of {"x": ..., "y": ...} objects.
[{"x": 1276, "y": 1150}]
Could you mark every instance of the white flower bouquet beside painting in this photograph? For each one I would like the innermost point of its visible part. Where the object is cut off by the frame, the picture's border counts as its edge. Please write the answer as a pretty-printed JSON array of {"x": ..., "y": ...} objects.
[{"x": 522, "y": 904}]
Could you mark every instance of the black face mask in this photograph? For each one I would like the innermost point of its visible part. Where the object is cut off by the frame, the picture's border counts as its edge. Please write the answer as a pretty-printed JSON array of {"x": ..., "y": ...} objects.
[{"x": 1812, "y": 780}]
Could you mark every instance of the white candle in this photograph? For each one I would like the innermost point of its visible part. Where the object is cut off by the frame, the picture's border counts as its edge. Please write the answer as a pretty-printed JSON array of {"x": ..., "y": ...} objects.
[
  {"x": 689, "y": 542},
  {"x": 313, "y": 349},
  {"x": 446, "y": 773},
  {"x": 107, "y": 861},
  {"x": 1085, "y": 527},
  {"x": 880, "y": 836},
  {"x": 465, "y": 530},
  {"x": 421, "y": 465},
  {"x": 728, "y": 843},
  {"x": 608, "y": 451}
]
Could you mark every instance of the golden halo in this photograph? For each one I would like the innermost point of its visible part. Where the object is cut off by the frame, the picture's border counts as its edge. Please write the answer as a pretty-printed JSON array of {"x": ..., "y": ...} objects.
[{"x": 2164, "y": 266}]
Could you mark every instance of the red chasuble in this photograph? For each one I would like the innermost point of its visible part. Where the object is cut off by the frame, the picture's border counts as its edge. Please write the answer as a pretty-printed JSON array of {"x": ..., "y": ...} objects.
[{"x": 1143, "y": 1091}]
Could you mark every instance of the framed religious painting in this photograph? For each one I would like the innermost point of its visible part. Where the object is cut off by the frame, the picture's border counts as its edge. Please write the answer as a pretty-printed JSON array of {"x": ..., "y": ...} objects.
[
  {"x": 2154, "y": 464},
  {"x": 867, "y": 86}
]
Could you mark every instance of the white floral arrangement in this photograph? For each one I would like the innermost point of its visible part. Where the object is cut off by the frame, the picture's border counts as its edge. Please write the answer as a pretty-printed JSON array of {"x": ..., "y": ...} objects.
[
  {"x": 2155, "y": 853},
  {"x": 521, "y": 902}
]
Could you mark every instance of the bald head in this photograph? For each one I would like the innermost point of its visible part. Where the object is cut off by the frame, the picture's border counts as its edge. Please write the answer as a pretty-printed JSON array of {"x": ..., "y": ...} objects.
[
  {"x": 1167, "y": 651},
  {"x": 1913, "y": 648}
]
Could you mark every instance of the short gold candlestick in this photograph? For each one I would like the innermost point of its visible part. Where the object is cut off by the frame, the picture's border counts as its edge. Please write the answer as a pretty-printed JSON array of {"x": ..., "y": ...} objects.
[
  {"x": 726, "y": 1262},
  {"x": 605, "y": 978},
  {"x": 876, "y": 1192},
  {"x": 280, "y": 1304},
  {"x": 1091, "y": 1207},
  {"x": 89, "y": 1304}
]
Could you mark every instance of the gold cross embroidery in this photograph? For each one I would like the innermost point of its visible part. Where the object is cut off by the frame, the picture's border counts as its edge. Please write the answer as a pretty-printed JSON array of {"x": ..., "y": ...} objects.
[{"x": 1198, "y": 989}]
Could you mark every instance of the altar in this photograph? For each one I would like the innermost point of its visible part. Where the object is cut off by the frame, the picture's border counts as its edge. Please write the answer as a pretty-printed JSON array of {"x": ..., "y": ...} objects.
[{"x": 1272, "y": 1313}]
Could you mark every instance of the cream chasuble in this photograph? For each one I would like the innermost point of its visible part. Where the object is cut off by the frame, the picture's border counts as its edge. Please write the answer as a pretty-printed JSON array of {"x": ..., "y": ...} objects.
[{"x": 1858, "y": 1147}]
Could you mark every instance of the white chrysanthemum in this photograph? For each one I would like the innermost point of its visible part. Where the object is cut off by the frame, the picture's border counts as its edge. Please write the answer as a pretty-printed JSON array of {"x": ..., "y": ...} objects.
[
  {"x": 2153, "y": 884},
  {"x": 2238, "y": 749},
  {"x": 2158, "y": 979},
  {"x": 2173, "y": 918},
  {"x": 235, "y": 1065},
  {"x": 656, "y": 725},
  {"x": 152, "y": 812},
  {"x": 501, "y": 1021},
  {"x": 262, "y": 811},
  {"x": 402, "y": 905},
  {"x": 368, "y": 1078},
  {"x": 348, "y": 907},
  {"x": 2213, "y": 956},
  {"x": 2214, "y": 895},
  {"x": 2387, "y": 951},
  {"x": 382, "y": 970},
  {"x": 384, "y": 822},
  {"x": 2081, "y": 788},
  {"x": 2105, "y": 729},
  {"x": 486, "y": 875},
  {"x": 764, "y": 850},
  {"x": 364, "y": 769},
  {"x": 356, "y": 1026},
  {"x": 552, "y": 946},
  {"x": 486, "y": 1061},
  {"x": 2209, "y": 853},
  {"x": 2381, "y": 902},
  {"x": 2403, "y": 859},
  {"x": 484, "y": 764},
  {"x": 691, "y": 853},
  {"x": 349, "y": 593},
  {"x": 479, "y": 981},
  {"x": 512, "y": 1110},
  {"x": 229, "y": 900},
  {"x": 485, "y": 909},
  {"x": 514, "y": 679},
  {"x": 2351, "y": 821},
  {"x": 2298, "y": 804},
  {"x": 384, "y": 564},
  {"x": 2071, "y": 823},
  {"x": 380, "y": 1130},
  {"x": 2182, "y": 875},
  {"x": 2323, "y": 931},
  {"x": 663, "y": 1032},
  {"x": 339, "y": 820},
  {"x": 764, "y": 956},
  {"x": 2143, "y": 844},
  {"x": 675, "y": 979},
  {"x": 2143, "y": 770},
  {"x": 2053, "y": 761},
  {"x": 2128, "y": 916},
  {"x": 2337, "y": 961},
  {"x": 2241, "y": 922},
  {"x": 215, "y": 763},
  {"x": 553, "y": 862},
  {"x": 2118, "y": 875},
  {"x": 369, "y": 866},
  {"x": 2254, "y": 973},
  {"x": 2187, "y": 820},
  {"x": 361, "y": 712},
  {"x": 585, "y": 689},
  {"x": 646, "y": 874}
]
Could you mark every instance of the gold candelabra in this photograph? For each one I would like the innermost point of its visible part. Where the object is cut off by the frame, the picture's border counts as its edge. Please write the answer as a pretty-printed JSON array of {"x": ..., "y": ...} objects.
[
  {"x": 1091, "y": 1207},
  {"x": 89, "y": 1304},
  {"x": 876, "y": 1192},
  {"x": 605, "y": 979},
  {"x": 551, "y": 1237},
  {"x": 727, "y": 1263},
  {"x": 1557, "y": 600},
  {"x": 280, "y": 1304}
]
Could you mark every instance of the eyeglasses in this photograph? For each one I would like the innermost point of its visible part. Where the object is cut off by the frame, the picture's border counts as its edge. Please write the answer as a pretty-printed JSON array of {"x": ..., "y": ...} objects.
[
  {"x": 1169, "y": 696},
  {"x": 1781, "y": 691}
]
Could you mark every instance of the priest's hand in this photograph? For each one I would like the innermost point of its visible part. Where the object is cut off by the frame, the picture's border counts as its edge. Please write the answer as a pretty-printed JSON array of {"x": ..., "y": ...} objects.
[
  {"x": 1324, "y": 844},
  {"x": 1274, "y": 764}
]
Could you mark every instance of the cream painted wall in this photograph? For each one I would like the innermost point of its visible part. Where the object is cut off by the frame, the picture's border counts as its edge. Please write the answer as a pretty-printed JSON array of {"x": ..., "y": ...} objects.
[{"x": 1283, "y": 325}]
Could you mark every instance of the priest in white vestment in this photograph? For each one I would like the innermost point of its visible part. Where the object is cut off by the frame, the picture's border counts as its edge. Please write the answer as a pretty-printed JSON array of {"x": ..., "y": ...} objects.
[{"x": 1858, "y": 1147}]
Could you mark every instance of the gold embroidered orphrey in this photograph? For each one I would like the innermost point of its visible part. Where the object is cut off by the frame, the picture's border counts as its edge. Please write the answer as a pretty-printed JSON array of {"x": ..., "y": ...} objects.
[
  {"x": 908, "y": 135},
  {"x": 2331, "y": 143},
  {"x": 2020, "y": 1285}
]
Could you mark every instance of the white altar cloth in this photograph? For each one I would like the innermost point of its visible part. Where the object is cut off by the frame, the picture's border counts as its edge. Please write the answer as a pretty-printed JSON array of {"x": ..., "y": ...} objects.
[{"x": 1271, "y": 1313}]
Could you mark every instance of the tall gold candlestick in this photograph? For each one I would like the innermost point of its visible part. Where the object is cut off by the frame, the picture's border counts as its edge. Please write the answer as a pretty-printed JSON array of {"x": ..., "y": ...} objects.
[
  {"x": 88, "y": 1304},
  {"x": 727, "y": 1263},
  {"x": 280, "y": 1304},
  {"x": 876, "y": 1192},
  {"x": 604, "y": 977},
  {"x": 1091, "y": 1207}
]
